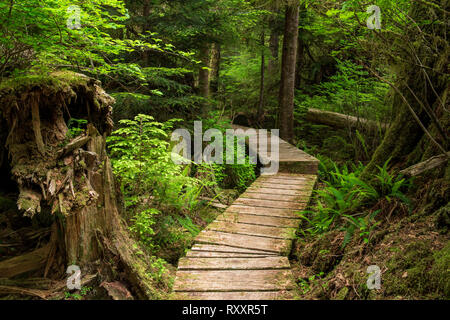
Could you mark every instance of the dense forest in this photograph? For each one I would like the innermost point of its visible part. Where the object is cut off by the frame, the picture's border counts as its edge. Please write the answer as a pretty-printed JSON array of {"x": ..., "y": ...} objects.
[{"x": 92, "y": 91}]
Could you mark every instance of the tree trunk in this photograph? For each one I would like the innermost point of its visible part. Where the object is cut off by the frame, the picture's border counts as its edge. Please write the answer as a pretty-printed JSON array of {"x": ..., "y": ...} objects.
[
  {"x": 145, "y": 28},
  {"x": 298, "y": 71},
  {"x": 203, "y": 73},
  {"x": 405, "y": 133},
  {"x": 215, "y": 67},
  {"x": 289, "y": 60},
  {"x": 274, "y": 45},
  {"x": 260, "y": 114}
]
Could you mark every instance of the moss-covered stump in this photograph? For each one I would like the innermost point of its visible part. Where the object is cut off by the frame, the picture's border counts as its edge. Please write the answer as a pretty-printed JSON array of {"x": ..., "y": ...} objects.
[{"x": 67, "y": 174}]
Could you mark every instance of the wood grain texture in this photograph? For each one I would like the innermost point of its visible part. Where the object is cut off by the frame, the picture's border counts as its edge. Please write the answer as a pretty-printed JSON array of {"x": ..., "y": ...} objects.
[
  {"x": 234, "y": 280},
  {"x": 263, "y": 211},
  {"x": 242, "y": 255},
  {"x": 252, "y": 230},
  {"x": 254, "y": 263},
  {"x": 279, "y": 246},
  {"x": 278, "y": 222},
  {"x": 235, "y": 295}
]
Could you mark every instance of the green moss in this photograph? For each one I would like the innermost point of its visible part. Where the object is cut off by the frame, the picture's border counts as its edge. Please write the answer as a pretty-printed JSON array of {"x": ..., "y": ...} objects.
[
  {"x": 56, "y": 80},
  {"x": 418, "y": 273},
  {"x": 440, "y": 271},
  {"x": 442, "y": 219},
  {"x": 342, "y": 293}
]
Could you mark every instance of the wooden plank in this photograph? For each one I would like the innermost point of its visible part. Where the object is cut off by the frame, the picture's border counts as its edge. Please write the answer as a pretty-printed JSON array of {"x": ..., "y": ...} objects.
[
  {"x": 225, "y": 249},
  {"x": 271, "y": 203},
  {"x": 288, "y": 166},
  {"x": 265, "y": 263},
  {"x": 259, "y": 220},
  {"x": 279, "y": 246},
  {"x": 302, "y": 198},
  {"x": 269, "y": 179},
  {"x": 284, "y": 180},
  {"x": 238, "y": 280},
  {"x": 280, "y": 182},
  {"x": 252, "y": 230},
  {"x": 236, "y": 295},
  {"x": 271, "y": 212},
  {"x": 288, "y": 192},
  {"x": 283, "y": 186},
  {"x": 294, "y": 176},
  {"x": 212, "y": 254}
]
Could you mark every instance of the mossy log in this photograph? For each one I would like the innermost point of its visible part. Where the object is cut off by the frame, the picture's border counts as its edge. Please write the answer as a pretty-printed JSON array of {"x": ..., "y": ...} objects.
[
  {"x": 342, "y": 121},
  {"x": 71, "y": 179}
]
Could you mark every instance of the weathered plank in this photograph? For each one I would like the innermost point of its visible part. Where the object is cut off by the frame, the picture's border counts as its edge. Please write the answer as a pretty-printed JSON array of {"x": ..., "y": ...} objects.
[
  {"x": 252, "y": 230},
  {"x": 271, "y": 203},
  {"x": 287, "y": 180},
  {"x": 213, "y": 254},
  {"x": 226, "y": 249},
  {"x": 242, "y": 254},
  {"x": 302, "y": 198},
  {"x": 271, "y": 212},
  {"x": 235, "y": 295},
  {"x": 278, "y": 222},
  {"x": 265, "y": 263},
  {"x": 234, "y": 280},
  {"x": 270, "y": 190},
  {"x": 281, "y": 175},
  {"x": 308, "y": 185},
  {"x": 279, "y": 246}
]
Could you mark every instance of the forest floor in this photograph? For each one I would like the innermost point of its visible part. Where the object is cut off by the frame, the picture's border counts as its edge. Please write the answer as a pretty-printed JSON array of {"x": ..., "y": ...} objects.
[{"x": 412, "y": 250}]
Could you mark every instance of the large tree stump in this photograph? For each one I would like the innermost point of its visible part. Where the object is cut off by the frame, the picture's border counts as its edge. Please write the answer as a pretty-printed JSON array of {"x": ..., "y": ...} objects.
[{"x": 71, "y": 177}]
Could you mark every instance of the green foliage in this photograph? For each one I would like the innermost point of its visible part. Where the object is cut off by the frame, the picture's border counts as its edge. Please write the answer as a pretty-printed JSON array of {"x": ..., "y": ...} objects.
[
  {"x": 39, "y": 27},
  {"x": 306, "y": 284},
  {"x": 143, "y": 223},
  {"x": 350, "y": 91},
  {"x": 79, "y": 294},
  {"x": 235, "y": 175},
  {"x": 76, "y": 127},
  {"x": 141, "y": 157},
  {"x": 342, "y": 202}
]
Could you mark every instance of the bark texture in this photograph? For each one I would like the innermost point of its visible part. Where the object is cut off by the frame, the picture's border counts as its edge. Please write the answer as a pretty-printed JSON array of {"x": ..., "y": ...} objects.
[
  {"x": 424, "y": 89},
  {"x": 204, "y": 72},
  {"x": 289, "y": 61},
  {"x": 69, "y": 178}
]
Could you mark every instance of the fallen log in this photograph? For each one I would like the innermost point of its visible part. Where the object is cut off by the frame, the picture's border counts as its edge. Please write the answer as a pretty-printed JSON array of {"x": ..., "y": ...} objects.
[
  {"x": 426, "y": 165},
  {"x": 338, "y": 120},
  {"x": 31, "y": 261}
]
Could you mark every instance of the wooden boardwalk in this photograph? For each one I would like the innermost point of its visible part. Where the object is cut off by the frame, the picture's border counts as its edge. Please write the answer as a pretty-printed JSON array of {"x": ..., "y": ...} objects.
[{"x": 242, "y": 255}]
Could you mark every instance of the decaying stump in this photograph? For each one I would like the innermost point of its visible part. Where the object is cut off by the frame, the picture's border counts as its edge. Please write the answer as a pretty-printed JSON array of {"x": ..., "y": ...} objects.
[{"x": 69, "y": 176}]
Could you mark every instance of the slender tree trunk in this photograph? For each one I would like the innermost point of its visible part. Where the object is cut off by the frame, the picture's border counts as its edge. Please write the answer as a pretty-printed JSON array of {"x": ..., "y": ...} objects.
[
  {"x": 289, "y": 60},
  {"x": 145, "y": 27},
  {"x": 203, "y": 74},
  {"x": 215, "y": 67},
  {"x": 262, "y": 83},
  {"x": 300, "y": 53},
  {"x": 274, "y": 45}
]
